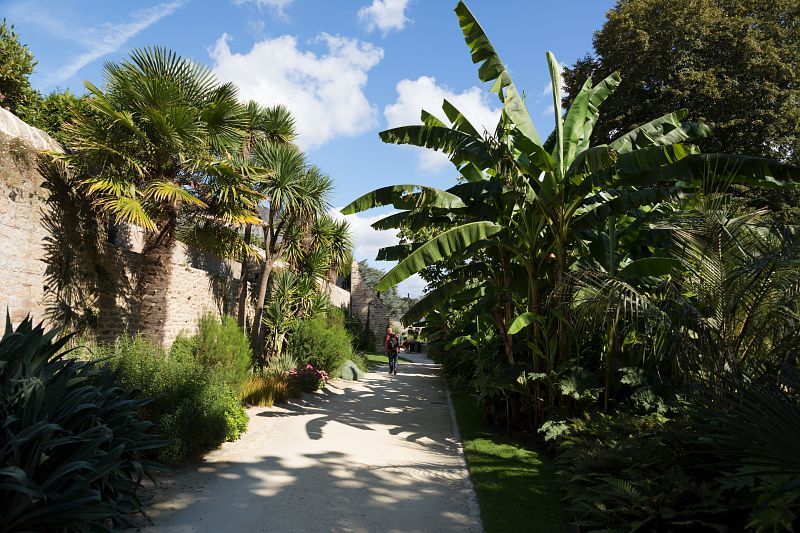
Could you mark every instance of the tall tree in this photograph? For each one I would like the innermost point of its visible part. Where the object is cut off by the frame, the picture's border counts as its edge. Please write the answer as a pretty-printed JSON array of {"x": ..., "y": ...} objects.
[
  {"x": 734, "y": 63},
  {"x": 264, "y": 124},
  {"x": 16, "y": 65}
]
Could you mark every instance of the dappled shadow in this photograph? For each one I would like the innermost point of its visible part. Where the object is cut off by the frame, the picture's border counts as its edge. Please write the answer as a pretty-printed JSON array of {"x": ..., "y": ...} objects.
[
  {"x": 374, "y": 456},
  {"x": 397, "y": 401}
]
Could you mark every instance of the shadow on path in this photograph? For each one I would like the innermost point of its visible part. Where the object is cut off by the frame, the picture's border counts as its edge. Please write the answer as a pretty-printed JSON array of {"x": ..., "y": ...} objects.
[{"x": 376, "y": 455}]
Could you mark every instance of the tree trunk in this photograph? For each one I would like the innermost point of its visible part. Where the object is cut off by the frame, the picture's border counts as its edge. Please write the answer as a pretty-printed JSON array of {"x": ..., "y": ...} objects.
[
  {"x": 243, "y": 280},
  {"x": 152, "y": 284},
  {"x": 257, "y": 334}
]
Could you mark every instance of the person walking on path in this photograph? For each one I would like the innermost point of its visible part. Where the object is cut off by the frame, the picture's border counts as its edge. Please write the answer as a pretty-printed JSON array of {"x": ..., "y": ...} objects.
[{"x": 390, "y": 346}]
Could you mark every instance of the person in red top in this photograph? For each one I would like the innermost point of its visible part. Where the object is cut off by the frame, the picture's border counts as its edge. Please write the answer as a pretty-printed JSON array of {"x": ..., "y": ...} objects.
[{"x": 390, "y": 345}]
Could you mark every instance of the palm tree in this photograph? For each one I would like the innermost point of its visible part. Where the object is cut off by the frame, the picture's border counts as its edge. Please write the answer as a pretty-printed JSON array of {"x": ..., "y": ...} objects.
[
  {"x": 154, "y": 146},
  {"x": 295, "y": 196},
  {"x": 273, "y": 124}
]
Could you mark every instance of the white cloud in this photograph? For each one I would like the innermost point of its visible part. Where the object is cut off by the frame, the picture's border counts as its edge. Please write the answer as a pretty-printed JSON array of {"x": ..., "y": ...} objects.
[
  {"x": 424, "y": 93},
  {"x": 99, "y": 40},
  {"x": 278, "y": 6},
  {"x": 324, "y": 92},
  {"x": 367, "y": 243},
  {"x": 549, "y": 110},
  {"x": 384, "y": 15}
]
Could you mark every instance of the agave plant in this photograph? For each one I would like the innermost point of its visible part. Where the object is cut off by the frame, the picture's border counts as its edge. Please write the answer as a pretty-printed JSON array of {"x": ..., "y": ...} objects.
[{"x": 72, "y": 445}]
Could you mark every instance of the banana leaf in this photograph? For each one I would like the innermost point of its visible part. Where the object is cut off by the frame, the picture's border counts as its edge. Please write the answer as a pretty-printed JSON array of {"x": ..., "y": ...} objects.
[
  {"x": 491, "y": 69},
  {"x": 436, "y": 249},
  {"x": 400, "y": 196}
]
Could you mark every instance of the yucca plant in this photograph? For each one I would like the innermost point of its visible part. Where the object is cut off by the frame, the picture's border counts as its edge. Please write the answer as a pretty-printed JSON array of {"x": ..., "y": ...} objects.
[{"x": 72, "y": 445}]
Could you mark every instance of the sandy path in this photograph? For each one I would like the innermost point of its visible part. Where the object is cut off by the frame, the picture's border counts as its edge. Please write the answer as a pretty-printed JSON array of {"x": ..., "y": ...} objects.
[{"x": 375, "y": 455}]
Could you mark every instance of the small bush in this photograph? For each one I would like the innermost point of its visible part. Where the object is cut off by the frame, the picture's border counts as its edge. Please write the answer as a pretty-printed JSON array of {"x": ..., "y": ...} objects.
[
  {"x": 349, "y": 371},
  {"x": 321, "y": 342},
  {"x": 265, "y": 390},
  {"x": 192, "y": 409},
  {"x": 72, "y": 443},
  {"x": 221, "y": 347},
  {"x": 307, "y": 379}
]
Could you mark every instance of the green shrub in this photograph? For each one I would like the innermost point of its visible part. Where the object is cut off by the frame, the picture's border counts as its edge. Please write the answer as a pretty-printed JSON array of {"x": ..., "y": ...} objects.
[
  {"x": 72, "y": 444},
  {"x": 192, "y": 408},
  {"x": 321, "y": 342},
  {"x": 221, "y": 347}
]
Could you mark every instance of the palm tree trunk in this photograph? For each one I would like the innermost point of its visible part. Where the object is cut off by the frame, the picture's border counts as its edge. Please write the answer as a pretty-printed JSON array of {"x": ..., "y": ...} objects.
[
  {"x": 257, "y": 333},
  {"x": 153, "y": 280},
  {"x": 243, "y": 280}
]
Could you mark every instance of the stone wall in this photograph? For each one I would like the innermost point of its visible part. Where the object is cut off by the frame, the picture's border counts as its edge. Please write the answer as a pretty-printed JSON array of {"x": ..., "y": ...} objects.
[
  {"x": 100, "y": 274},
  {"x": 365, "y": 304},
  {"x": 21, "y": 231},
  {"x": 339, "y": 297}
]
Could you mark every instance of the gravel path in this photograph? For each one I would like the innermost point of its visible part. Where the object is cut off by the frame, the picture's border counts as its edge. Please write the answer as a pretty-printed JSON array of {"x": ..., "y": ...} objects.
[{"x": 376, "y": 455}]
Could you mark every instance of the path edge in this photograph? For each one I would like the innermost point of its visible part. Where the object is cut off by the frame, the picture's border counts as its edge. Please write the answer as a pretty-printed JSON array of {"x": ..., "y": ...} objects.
[{"x": 472, "y": 497}]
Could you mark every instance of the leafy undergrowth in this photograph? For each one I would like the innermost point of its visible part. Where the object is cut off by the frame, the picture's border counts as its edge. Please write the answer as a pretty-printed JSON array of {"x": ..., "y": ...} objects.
[{"x": 515, "y": 485}]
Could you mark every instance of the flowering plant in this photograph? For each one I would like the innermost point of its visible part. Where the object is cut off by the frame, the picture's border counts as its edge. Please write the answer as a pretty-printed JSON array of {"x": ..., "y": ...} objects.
[{"x": 308, "y": 378}]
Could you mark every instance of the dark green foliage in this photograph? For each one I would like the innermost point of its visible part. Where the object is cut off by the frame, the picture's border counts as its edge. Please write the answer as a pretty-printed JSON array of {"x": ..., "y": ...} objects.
[
  {"x": 221, "y": 347},
  {"x": 55, "y": 111},
  {"x": 191, "y": 408},
  {"x": 732, "y": 63},
  {"x": 72, "y": 445},
  {"x": 322, "y": 342},
  {"x": 353, "y": 325},
  {"x": 16, "y": 65}
]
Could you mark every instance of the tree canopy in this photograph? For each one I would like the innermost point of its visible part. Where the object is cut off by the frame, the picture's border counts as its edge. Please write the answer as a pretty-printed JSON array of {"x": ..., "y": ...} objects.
[{"x": 734, "y": 63}]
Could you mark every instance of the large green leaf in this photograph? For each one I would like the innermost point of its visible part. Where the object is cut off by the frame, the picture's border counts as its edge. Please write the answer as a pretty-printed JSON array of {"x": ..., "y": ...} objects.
[
  {"x": 398, "y": 252},
  {"x": 393, "y": 221},
  {"x": 667, "y": 129},
  {"x": 404, "y": 197},
  {"x": 459, "y": 121},
  {"x": 575, "y": 120},
  {"x": 492, "y": 70},
  {"x": 436, "y": 249},
  {"x": 431, "y": 120},
  {"x": 522, "y": 321},
  {"x": 594, "y": 159},
  {"x": 599, "y": 207},
  {"x": 598, "y": 95},
  {"x": 460, "y": 146},
  {"x": 555, "y": 82},
  {"x": 653, "y": 157}
]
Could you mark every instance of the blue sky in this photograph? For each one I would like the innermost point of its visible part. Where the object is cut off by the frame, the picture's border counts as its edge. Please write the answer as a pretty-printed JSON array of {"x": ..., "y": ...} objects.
[{"x": 346, "y": 68}]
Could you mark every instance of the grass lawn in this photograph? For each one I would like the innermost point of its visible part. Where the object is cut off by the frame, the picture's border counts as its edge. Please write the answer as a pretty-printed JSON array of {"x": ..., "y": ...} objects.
[
  {"x": 376, "y": 359},
  {"x": 515, "y": 486}
]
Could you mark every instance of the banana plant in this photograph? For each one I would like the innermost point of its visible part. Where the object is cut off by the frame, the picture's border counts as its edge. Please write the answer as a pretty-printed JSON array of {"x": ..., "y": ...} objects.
[{"x": 528, "y": 201}]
